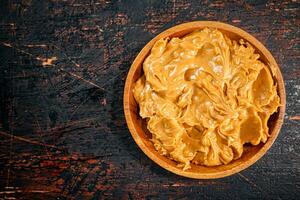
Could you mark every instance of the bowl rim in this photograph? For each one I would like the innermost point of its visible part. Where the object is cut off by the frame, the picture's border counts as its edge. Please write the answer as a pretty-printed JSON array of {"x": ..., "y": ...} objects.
[{"x": 200, "y": 25}]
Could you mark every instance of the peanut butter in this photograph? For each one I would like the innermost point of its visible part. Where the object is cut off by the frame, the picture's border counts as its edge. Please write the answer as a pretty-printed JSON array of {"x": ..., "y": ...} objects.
[{"x": 204, "y": 96}]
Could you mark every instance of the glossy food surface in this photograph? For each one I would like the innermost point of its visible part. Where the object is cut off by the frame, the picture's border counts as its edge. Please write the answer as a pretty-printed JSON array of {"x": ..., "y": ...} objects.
[{"x": 204, "y": 96}]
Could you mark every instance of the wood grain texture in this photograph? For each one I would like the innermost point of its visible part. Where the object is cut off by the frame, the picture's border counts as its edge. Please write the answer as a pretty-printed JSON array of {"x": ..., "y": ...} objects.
[{"x": 63, "y": 133}]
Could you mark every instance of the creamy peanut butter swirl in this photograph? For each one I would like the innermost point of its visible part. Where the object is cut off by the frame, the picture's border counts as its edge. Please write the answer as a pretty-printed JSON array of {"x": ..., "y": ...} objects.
[{"x": 204, "y": 96}]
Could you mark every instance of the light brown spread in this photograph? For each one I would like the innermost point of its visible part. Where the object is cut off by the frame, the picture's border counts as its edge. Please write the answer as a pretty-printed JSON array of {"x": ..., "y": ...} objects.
[{"x": 204, "y": 96}]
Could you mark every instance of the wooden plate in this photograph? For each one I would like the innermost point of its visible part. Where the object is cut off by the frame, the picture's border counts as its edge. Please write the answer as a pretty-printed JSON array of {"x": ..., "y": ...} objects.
[{"x": 141, "y": 135}]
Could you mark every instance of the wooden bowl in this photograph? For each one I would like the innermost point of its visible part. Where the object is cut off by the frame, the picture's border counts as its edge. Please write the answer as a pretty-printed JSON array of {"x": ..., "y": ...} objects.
[{"x": 141, "y": 135}]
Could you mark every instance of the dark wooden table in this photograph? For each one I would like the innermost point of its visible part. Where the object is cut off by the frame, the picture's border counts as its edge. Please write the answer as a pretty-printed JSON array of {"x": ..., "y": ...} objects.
[{"x": 62, "y": 69}]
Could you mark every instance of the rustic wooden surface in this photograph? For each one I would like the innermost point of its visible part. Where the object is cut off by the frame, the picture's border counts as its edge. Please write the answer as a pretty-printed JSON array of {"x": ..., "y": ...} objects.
[{"x": 62, "y": 128}]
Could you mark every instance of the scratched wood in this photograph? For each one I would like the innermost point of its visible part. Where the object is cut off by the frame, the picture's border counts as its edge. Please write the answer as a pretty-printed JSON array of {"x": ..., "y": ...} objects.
[{"x": 62, "y": 128}]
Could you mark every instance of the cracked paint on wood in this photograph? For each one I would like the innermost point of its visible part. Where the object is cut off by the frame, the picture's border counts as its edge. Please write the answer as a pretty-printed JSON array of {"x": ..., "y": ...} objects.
[{"x": 62, "y": 70}]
